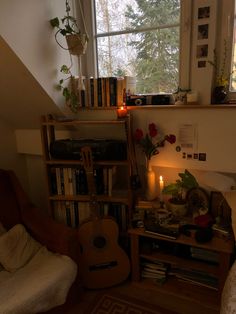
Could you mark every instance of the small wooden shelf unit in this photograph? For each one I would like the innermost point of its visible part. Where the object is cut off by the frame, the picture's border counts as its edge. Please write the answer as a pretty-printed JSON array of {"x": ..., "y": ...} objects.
[{"x": 173, "y": 287}]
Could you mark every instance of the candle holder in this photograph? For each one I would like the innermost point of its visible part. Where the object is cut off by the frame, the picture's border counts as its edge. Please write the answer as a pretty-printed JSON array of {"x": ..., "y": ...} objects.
[{"x": 121, "y": 112}]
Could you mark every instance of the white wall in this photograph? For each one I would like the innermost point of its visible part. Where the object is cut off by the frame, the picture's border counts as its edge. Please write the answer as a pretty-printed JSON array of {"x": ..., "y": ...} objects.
[
  {"x": 216, "y": 135},
  {"x": 25, "y": 27}
]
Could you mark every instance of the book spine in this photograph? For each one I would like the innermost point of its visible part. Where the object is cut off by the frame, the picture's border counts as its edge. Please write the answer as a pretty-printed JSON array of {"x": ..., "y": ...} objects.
[
  {"x": 104, "y": 103},
  {"x": 58, "y": 176},
  {"x": 112, "y": 87},
  {"x": 107, "y": 88},
  {"x": 95, "y": 92},
  {"x": 99, "y": 91},
  {"x": 70, "y": 180},
  {"x": 62, "y": 181},
  {"x": 66, "y": 181},
  {"x": 53, "y": 181},
  {"x": 119, "y": 91},
  {"x": 76, "y": 214},
  {"x": 87, "y": 93},
  {"x": 68, "y": 214}
]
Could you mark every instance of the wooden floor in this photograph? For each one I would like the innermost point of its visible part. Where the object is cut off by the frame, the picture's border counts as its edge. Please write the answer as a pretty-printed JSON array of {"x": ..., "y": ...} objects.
[{"x": 152, "y": 296}]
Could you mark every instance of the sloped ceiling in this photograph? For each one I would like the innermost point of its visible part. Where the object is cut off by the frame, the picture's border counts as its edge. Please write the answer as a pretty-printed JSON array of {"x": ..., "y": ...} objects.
[{"x": 22, "y": 99}]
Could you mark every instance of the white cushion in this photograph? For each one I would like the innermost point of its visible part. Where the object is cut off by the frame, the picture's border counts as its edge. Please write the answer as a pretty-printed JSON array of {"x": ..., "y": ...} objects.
[
  {"x": 2, "y": 229},
  {"x": 17, "y": 247}
]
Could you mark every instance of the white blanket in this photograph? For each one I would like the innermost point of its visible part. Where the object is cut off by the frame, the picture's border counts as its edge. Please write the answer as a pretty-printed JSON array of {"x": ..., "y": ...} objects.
[{"x": 40, "y": 285}]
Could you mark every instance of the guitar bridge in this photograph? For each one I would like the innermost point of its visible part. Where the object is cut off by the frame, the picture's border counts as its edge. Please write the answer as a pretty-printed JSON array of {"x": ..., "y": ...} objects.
[{"x": 106, "y": 265}]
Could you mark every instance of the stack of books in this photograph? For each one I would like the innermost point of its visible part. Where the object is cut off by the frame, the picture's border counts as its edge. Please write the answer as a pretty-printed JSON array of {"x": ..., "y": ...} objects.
[
  {"x": 154, "y": 270},
  {"x": 195, "y": 277},
  {"x": 204, "y": 255}
]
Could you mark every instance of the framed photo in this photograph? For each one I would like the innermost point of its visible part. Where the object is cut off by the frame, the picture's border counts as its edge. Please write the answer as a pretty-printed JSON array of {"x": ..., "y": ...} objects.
[
  {"x": 203, "y": 31},
  {"x": 202, "y": 64},
  {"x": 219, "y": 207},
  {"x": 204, "y": 12},
  {"x": 202, "y": 51}
]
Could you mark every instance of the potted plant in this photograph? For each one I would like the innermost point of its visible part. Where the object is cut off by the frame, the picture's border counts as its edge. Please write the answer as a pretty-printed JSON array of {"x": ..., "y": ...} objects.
[
  {"x": 178, "y": 190},
  {"x": 221, "y": 77},
  {"x": 68, "y": 27}
]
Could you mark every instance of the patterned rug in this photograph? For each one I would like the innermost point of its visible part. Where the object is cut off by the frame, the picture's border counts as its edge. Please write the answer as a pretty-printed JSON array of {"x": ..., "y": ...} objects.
[{"x": 119, "y": 304}]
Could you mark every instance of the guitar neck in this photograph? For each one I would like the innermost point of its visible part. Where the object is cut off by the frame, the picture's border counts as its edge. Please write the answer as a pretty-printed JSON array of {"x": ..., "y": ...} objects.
[
  {"x": 88, "y": 166},
  {"x": 91, "y": 184}
]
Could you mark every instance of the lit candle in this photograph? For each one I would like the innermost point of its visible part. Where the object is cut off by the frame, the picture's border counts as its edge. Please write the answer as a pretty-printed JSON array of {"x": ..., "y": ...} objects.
[
  {"x": 122, "y": 111},
  {"x": 161, "y": 183}
]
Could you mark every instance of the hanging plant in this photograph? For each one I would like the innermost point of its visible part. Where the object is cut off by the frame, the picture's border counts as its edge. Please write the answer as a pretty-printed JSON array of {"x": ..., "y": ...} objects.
[
  {"x": 68, "y": 28},
  {"x": 71, "y": 87}
]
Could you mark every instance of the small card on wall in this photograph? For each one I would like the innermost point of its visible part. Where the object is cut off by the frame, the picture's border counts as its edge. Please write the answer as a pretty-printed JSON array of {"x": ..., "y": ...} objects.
[{"x": 188, "y": 137}]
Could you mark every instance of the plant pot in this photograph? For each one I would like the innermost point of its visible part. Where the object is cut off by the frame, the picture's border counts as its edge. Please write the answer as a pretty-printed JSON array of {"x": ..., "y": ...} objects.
[
  {"x": 178, "y": 210},
  {"x": 77, "y": 44}
]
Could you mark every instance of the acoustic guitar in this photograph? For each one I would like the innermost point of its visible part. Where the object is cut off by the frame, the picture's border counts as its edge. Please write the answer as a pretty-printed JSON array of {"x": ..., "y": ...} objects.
[{"x": 103, "y": 262}]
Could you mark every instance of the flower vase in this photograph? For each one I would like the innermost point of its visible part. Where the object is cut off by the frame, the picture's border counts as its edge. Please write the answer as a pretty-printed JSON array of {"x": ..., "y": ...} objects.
[
  {"x": 219, "y": 95},
  {"x": 150, "y": 183}
]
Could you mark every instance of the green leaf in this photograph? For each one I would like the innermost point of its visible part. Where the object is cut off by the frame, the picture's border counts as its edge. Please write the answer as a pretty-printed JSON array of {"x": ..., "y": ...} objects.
[
  {"x": 66, "y": 93},
  {"x": 55, "y": 22},
  {"x": 58, "y": 87},
  {"x": 63, "y": 32},
  {"x": 65, "y": 69}
]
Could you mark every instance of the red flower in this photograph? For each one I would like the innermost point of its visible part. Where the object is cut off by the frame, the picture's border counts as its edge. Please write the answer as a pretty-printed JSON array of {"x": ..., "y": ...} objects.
[
  {"x": 148, "y": 144},
  {"x": 152, "y": 130},
  {"x": 171, "y": 138},
  {"x": 138, "y": 135}
]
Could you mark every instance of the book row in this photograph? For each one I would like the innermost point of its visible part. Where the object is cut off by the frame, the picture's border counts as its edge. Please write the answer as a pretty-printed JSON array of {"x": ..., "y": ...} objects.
[
  {"x": 160, "y": 272},
  {"x": 73, "y": 181},
  {"x": 106, "y": 91},
  {"x": 73, "y": 213}
]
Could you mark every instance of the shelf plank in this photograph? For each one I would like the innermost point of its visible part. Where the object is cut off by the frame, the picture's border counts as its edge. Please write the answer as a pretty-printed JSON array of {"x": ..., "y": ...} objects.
[
  {"x": 115, "y": 198},
  {"x": 216, "y": 244},
  {"x": 83, "y": 122},
  {"x": 79, "y": 162},
  {"x": 183, "y": 262}
]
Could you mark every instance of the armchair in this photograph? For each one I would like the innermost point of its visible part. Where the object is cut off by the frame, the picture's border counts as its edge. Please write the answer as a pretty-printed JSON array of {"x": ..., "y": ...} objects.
[{"x": 16, "y": 208}]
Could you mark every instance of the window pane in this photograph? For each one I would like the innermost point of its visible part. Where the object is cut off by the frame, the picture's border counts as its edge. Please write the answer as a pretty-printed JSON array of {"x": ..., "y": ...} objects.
[
  {"x": 151, "y": 55},
  {"x": 118, "y": 15}
]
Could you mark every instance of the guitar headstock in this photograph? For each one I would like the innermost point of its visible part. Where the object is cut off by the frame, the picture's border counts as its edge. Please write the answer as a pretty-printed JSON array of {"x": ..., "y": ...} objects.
[{"x": 87, "y": 158}]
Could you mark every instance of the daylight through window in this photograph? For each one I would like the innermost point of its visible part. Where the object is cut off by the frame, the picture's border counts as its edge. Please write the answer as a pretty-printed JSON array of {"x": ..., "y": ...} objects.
[{"x": 139, "y": 38}]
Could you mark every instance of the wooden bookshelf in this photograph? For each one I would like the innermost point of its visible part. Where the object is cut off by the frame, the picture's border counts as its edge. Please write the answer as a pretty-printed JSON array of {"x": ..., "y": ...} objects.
[{"x": 119, "y": 191}]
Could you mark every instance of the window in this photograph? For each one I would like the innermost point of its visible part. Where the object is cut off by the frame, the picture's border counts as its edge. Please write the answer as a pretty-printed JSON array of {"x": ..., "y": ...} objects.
[{"x": 141, "y": 39}]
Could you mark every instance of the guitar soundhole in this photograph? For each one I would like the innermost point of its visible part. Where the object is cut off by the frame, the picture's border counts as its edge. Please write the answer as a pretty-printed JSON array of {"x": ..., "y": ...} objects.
[{"x": 99, "y": 242}]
